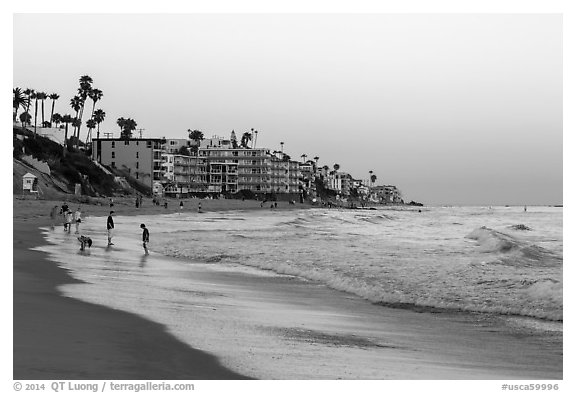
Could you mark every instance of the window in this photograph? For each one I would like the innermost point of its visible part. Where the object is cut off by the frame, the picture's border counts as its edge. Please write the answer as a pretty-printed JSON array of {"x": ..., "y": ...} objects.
[
  {"x": 148, "y": 144},
  {"x": 113, "y": 155},
  {"x": 137, "y": 153},
  {"x": 126, "y": 143},
  {"x": 136, "y": 175},
  {"x": 172, "y": 143},
  {"x": 113, "y": 144},
  {"x": 137, "y": 165},
  {"x": 137, "y": 143},
  {"x": 113, "y": 164}
]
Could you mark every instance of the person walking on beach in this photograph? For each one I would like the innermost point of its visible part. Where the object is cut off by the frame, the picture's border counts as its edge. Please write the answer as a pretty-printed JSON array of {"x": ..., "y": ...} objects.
[
  {"x": 110, "y": 228},
  {"x": 199, "y": 207},
  {"x": 145, "y": 237},
  {"x": 78, "y": 219},
  {"x": 181, "y": 205}
]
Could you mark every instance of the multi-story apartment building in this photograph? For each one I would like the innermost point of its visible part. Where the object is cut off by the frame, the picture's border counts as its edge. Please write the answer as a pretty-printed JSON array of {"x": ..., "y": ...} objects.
[
  {"x": 285, "y": 175},
  {"x": 140, "y": 159},
  {"x": 340, "y": 182},
  {"x": 174, "y": 145},
  {"x": 217, "y": 168},
  {"x": 182, "y": 174}
]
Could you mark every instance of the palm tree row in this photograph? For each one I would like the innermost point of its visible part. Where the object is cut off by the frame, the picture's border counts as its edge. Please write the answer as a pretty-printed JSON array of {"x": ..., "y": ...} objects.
[{"x": 24, "y": 99}]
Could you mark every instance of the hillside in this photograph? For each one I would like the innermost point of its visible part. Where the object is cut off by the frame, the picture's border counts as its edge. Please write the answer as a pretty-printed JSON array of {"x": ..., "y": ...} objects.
[{"x": 61, "y": 171}]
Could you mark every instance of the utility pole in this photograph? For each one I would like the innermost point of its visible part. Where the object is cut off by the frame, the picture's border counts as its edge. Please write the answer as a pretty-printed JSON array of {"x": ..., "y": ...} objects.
[{"x": 140, "y": 131}]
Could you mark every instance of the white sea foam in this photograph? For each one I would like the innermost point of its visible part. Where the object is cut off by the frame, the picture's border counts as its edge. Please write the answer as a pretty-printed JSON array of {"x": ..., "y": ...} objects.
[
  {"x": 398, "y": 258},
  {"x": 392, "y": 257}
]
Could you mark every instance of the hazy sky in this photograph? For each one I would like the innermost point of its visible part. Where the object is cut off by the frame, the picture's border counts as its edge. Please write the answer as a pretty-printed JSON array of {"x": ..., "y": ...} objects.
[{"x": 451, "y": 108}]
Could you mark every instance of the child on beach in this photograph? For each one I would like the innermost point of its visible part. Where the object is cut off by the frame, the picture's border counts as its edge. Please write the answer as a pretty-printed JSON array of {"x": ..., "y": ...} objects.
[
  {"x": 77, "y": 219},
  {"x": 145, "y": 237},
  {"x": 68, "y": 223},
  {"x": 181, "y": 205},
  {"x": 84, "y": 241},
  {"x": 110, "y": 228}
]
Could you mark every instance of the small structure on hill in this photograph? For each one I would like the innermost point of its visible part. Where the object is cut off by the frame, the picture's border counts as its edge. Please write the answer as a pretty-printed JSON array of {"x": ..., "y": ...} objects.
[{"x": 29, "y": 184}]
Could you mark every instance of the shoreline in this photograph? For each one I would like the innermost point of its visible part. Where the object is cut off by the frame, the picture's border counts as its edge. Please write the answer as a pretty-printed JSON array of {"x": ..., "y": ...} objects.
[
  {"x": 306, "y": 299},
  {"x": 57, "y": 337}
]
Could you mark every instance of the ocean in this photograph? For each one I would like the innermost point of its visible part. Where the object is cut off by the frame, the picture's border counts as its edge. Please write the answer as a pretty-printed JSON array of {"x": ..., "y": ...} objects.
[{"x": 494, "y": 261}]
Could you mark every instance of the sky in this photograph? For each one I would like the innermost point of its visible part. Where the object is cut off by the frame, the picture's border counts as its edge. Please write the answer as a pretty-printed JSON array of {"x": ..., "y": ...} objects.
[{"x": 451, "y": 108}]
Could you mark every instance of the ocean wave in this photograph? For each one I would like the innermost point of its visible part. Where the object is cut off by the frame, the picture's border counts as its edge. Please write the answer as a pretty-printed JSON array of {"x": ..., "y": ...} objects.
[
  {"x": 375, "y": 219},
  {"x": 511, "y": 250}
]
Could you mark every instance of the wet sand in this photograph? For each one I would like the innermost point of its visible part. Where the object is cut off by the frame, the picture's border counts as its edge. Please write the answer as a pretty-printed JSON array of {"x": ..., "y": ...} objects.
[
  {"x": 330, "y": 334},
  {"x": 56, "y": 337}
]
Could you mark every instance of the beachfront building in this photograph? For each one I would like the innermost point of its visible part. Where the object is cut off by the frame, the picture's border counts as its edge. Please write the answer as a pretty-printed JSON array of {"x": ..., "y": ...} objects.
[
  {"x": 138, "y": 158},
  {"x": 308, "y": 176},
  {"x": 175, "y": 146},
  {"x": 340, "y": 182},
  {"x": 216, "y": 169},
  {"x": 182, "y": 174},
  {"x": 284, "y": 175},
  {"x": 386, "y": 194}
]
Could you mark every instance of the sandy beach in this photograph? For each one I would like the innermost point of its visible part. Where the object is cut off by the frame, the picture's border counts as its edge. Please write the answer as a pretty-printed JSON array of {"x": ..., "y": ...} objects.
[
  {"x": 56, "y": 337},
  {"x": 310, "y": 330}
]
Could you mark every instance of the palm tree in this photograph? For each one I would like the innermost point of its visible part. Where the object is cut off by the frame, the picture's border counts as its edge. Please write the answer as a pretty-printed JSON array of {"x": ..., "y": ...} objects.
[
  {"x": 53, "y": 97},
  {"x": 18, "y": 100},
  {"x": 336, "y": 167},
  {"x": 35, "y": 98},
  {"x": 91, "y": 124},
  {"x": 28, "y": 93},
  {"x": 76, "y": 124},
  {"x": 95, "y": 95},
  {"x": 76, "y": 104},
  {"x": 84, "y": 91},
  {"x": 126, "y": 127},
  {"x": 373, "y": 179},
  {"x": 56, "y": 119},
  {"x": 42, "y": 96},
  {"x": 246, "y": 137},
  {"x": 66, "y": 119},
  {"x": 25, "y": 118},
  {"x": 196, "y": 136},
  {"x": 99, "y": 116}
]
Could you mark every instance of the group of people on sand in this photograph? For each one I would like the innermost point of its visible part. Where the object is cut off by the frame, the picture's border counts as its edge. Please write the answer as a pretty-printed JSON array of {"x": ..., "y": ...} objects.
[
  {"x": 68, "y": 217},
  {"x": 76, "y": 218}
]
